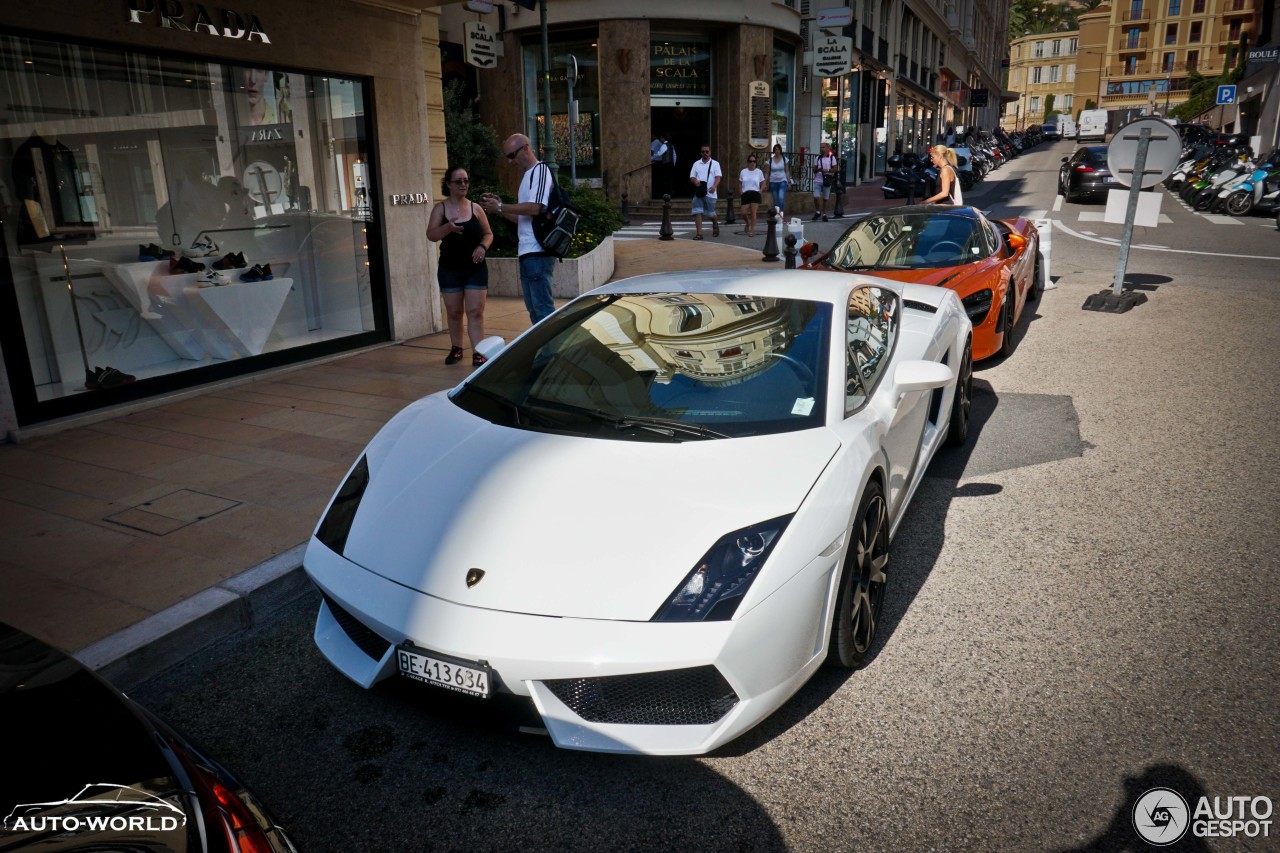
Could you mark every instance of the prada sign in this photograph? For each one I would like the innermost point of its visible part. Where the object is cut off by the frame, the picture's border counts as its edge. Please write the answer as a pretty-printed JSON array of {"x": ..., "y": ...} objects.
[
  {"x": 195, "y": 18},
  {"x": 411, "y": 198}
]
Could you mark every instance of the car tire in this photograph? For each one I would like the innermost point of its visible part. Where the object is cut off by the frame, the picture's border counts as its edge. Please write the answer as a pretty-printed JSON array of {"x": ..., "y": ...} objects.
[
  {"x": 862, "y": 583},
  {"x": 1037, "y": 277},
  {"x": 962, "y": 402}
]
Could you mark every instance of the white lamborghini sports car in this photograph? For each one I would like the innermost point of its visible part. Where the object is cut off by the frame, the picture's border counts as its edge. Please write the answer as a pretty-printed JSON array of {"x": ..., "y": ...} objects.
[{"x": 654, "y": 514}]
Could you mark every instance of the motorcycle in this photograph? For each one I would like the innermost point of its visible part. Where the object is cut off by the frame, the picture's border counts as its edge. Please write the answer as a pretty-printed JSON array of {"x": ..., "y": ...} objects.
[{"x": 909, "y": 178}]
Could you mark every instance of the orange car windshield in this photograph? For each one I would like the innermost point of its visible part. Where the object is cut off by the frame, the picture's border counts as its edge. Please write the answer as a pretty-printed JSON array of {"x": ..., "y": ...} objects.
[{"x": 908, "y": 241}]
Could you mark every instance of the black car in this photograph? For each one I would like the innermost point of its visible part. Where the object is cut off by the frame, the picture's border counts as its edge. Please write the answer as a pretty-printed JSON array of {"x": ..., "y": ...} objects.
[
  {"x": 88, "y": 769},
  {"x": 1085, "y": 174}
]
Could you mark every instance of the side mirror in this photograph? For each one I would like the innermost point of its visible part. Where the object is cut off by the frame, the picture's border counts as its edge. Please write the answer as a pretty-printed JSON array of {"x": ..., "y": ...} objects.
[
  {"x": 1015, "y": 242},
  {"x": 1064, "y": 159},
  {"x": 491, "y": 346},
  {"x": 807, "y": 251},
  {"x": 921, "y": 376}
]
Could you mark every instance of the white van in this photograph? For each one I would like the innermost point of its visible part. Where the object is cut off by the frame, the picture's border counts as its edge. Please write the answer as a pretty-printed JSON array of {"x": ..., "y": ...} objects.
[
  {"x": 1093, "y": 125},
  {"x": 1066, "y": 126}
]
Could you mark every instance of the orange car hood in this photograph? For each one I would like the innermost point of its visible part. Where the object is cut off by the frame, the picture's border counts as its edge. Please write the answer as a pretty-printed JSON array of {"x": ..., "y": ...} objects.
[{"x": 948, "y": 276}]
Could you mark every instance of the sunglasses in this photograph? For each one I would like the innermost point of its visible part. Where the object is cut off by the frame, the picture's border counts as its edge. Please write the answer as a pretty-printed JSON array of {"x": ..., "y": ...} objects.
[
  {"x": 706, "y": 152},
  {"x": 511, "y": 155},
  {"x": 461, "y": 181}
]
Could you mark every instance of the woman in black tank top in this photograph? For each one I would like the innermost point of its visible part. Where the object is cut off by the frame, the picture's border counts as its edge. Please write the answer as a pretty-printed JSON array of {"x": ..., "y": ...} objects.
[{"x": 464, "y": 234}]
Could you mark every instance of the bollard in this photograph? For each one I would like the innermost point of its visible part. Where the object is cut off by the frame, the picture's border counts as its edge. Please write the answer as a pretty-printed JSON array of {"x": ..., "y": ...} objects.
[
  {"x": 771, "y": 238},
  {"x": 838, "y": 212},
  {"x": 666, "y": 232},
  {"x": 728, "y": 214},
  {"x": 626, "y": 215},
  {"x": 790, "y": 252}
]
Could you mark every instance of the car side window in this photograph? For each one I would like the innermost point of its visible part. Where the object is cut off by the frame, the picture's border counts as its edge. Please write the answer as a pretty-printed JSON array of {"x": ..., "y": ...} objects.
[{"x": 870, "y": 332}]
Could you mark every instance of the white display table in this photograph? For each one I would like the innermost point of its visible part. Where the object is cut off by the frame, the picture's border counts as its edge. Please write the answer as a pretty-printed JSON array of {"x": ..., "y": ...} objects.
[{"x": 200, "y": 322}]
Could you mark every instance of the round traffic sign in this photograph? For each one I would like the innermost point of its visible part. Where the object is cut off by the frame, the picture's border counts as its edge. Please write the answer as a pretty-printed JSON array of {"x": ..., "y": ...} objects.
[{"x": 1164, "y": 149}]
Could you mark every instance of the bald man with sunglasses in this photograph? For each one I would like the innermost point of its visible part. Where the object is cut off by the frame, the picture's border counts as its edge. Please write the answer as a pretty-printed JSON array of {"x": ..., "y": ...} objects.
[{"x": 536, "y": 266}]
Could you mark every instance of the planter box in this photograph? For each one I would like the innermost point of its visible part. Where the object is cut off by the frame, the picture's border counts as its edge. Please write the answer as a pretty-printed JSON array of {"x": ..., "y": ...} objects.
[{"x": 573, "y": 276}]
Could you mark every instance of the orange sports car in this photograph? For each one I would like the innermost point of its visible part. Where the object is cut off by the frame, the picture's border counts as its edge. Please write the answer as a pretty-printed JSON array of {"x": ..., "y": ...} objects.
[{"x": 955, "y": 247}]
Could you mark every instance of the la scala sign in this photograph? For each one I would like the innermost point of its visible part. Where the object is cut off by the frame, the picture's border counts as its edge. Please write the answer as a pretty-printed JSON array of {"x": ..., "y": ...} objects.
[{"x": 833, "y": 56}]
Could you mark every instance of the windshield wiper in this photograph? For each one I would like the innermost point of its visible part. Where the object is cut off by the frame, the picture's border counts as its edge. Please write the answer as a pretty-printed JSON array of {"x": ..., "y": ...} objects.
[
  {"x": 664, "y": 426},
  {"x": 515, "y": 407}
]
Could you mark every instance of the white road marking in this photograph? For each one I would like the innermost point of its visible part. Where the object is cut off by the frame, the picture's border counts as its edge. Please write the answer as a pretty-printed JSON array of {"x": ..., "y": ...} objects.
[{"x": 1094, "y": 239}]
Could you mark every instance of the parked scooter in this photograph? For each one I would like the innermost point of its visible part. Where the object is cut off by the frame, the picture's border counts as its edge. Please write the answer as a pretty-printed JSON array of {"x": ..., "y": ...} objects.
[{"x": 909, "y": 179}]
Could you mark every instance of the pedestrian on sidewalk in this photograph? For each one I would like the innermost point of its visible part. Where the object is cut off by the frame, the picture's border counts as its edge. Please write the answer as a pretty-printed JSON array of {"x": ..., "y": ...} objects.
[
  {"x": 536, "y": 265},
  {"x": 824, "y": 179},
  {"x": 750, "y": 180},
  {"x": 705, "y": 177},
  {"x": 662, "y": 156},
  {"x": 779, "y": 179},
  {"x": 462, "y": 229}
]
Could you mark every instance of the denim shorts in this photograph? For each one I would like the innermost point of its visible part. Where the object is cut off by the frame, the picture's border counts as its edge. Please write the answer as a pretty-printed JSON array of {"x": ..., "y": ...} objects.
[
  {"x": 455, "y": 281},
  {"x": 705, "y": 206}
]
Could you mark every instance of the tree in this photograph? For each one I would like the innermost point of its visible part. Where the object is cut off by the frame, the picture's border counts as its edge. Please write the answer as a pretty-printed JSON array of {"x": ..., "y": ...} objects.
[
  {"x": 1048, "y": 105},
  {"x": 472, "y": 144}
]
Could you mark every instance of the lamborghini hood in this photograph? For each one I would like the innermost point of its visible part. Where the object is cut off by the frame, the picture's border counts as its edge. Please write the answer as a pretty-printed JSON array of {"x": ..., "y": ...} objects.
[{"x": 562, "y": 525}]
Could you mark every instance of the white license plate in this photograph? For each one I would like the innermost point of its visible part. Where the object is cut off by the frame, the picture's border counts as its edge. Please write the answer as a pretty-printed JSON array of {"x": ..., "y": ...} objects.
[
  {"x": 1108, "y": 180},
  {"x": 449, "y": 674}
]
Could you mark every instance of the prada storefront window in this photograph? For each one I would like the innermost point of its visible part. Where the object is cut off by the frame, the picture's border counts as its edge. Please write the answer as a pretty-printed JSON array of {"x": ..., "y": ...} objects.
[{"x": 166, "y": 215}]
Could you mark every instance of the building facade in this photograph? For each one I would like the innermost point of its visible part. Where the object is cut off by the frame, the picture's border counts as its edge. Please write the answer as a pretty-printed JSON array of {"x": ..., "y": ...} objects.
[
  {"x": 739, "y": 75},
  {"x": 1134, "y": 57},
  {"x": 1042, "y": 76}
]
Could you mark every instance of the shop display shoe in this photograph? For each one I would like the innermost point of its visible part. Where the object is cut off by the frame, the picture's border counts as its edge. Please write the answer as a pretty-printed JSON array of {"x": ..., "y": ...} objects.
[
  {"x": 231, "y": 261},
  {"x": 258, "y": 272},
  {"x": 106, "y": 377},
  {"x": 152, "y": 252},
  {"x": 178, "y": 266},
  {"x": 212, "y": 278},
  {"x": 201, "y": 248}
]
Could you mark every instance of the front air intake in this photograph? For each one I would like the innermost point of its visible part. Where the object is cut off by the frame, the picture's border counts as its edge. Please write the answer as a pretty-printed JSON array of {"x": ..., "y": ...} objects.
[
  {"x": 679, "y": 697},
  {"x": 369, "y": 642}
]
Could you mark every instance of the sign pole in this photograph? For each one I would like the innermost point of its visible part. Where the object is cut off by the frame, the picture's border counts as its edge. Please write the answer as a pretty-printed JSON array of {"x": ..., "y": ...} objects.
[
  {"x": 1131, "y": 212},
  {"x": 548, "y": 145}
]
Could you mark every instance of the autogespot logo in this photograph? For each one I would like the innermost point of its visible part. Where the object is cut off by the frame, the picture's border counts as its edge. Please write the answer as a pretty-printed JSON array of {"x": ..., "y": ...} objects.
[
  {"x": 1160, "y": 816},
  {"x": 98, "y": 808}
]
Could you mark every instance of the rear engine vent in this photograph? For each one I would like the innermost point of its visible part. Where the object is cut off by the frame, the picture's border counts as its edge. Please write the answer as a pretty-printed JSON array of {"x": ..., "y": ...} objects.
[
  {"x": 680, "y": 697},
  {"x": 369, "y": 642}
]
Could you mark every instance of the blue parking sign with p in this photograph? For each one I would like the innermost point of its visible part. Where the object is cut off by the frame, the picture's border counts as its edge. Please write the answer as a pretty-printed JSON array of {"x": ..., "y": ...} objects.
[{"x": 1226, "y": 94}]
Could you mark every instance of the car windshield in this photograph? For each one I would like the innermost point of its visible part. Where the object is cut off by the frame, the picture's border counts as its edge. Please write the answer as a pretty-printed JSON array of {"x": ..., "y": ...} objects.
[
  {"x": 907, "y": 241},
  {"x": 662, "y": 367}
]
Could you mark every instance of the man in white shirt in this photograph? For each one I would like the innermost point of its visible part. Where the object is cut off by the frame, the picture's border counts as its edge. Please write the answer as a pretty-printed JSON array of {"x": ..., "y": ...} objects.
[
  {"x": 536, "y": 266},
  {"x": 824, "y": 178},
  {"x": 705, "y": 173}
]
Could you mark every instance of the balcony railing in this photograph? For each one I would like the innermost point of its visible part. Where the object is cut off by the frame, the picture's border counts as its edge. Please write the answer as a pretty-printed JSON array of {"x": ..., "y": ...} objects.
[
  {"x": 1237, "y": 7},
  {"x": 1136, "y": 16},
  {"x": 1128, "y": 43},
  {"x": 1231, "y": 34}
]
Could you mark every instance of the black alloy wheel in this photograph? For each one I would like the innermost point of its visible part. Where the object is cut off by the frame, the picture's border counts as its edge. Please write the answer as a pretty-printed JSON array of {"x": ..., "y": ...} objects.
[
  {"x": 1037, "y": 277},
  {"x": 1239, "y": 203},
  {"x": 862, "y": 583},
  {"x": 962, "y": 402}
]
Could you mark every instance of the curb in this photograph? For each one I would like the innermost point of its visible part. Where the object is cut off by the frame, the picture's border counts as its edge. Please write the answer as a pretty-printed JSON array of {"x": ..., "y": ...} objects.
[{"x": 137, "y": 653}]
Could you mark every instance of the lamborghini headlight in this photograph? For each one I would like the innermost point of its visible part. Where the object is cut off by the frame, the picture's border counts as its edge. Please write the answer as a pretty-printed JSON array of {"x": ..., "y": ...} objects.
[
  {"x": 337, "y": 521},
  {"x": 715, "y": 587}
]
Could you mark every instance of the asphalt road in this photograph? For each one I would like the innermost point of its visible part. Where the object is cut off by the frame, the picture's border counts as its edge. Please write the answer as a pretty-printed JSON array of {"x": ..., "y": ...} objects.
[{"x": 1081, "y": 608}]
